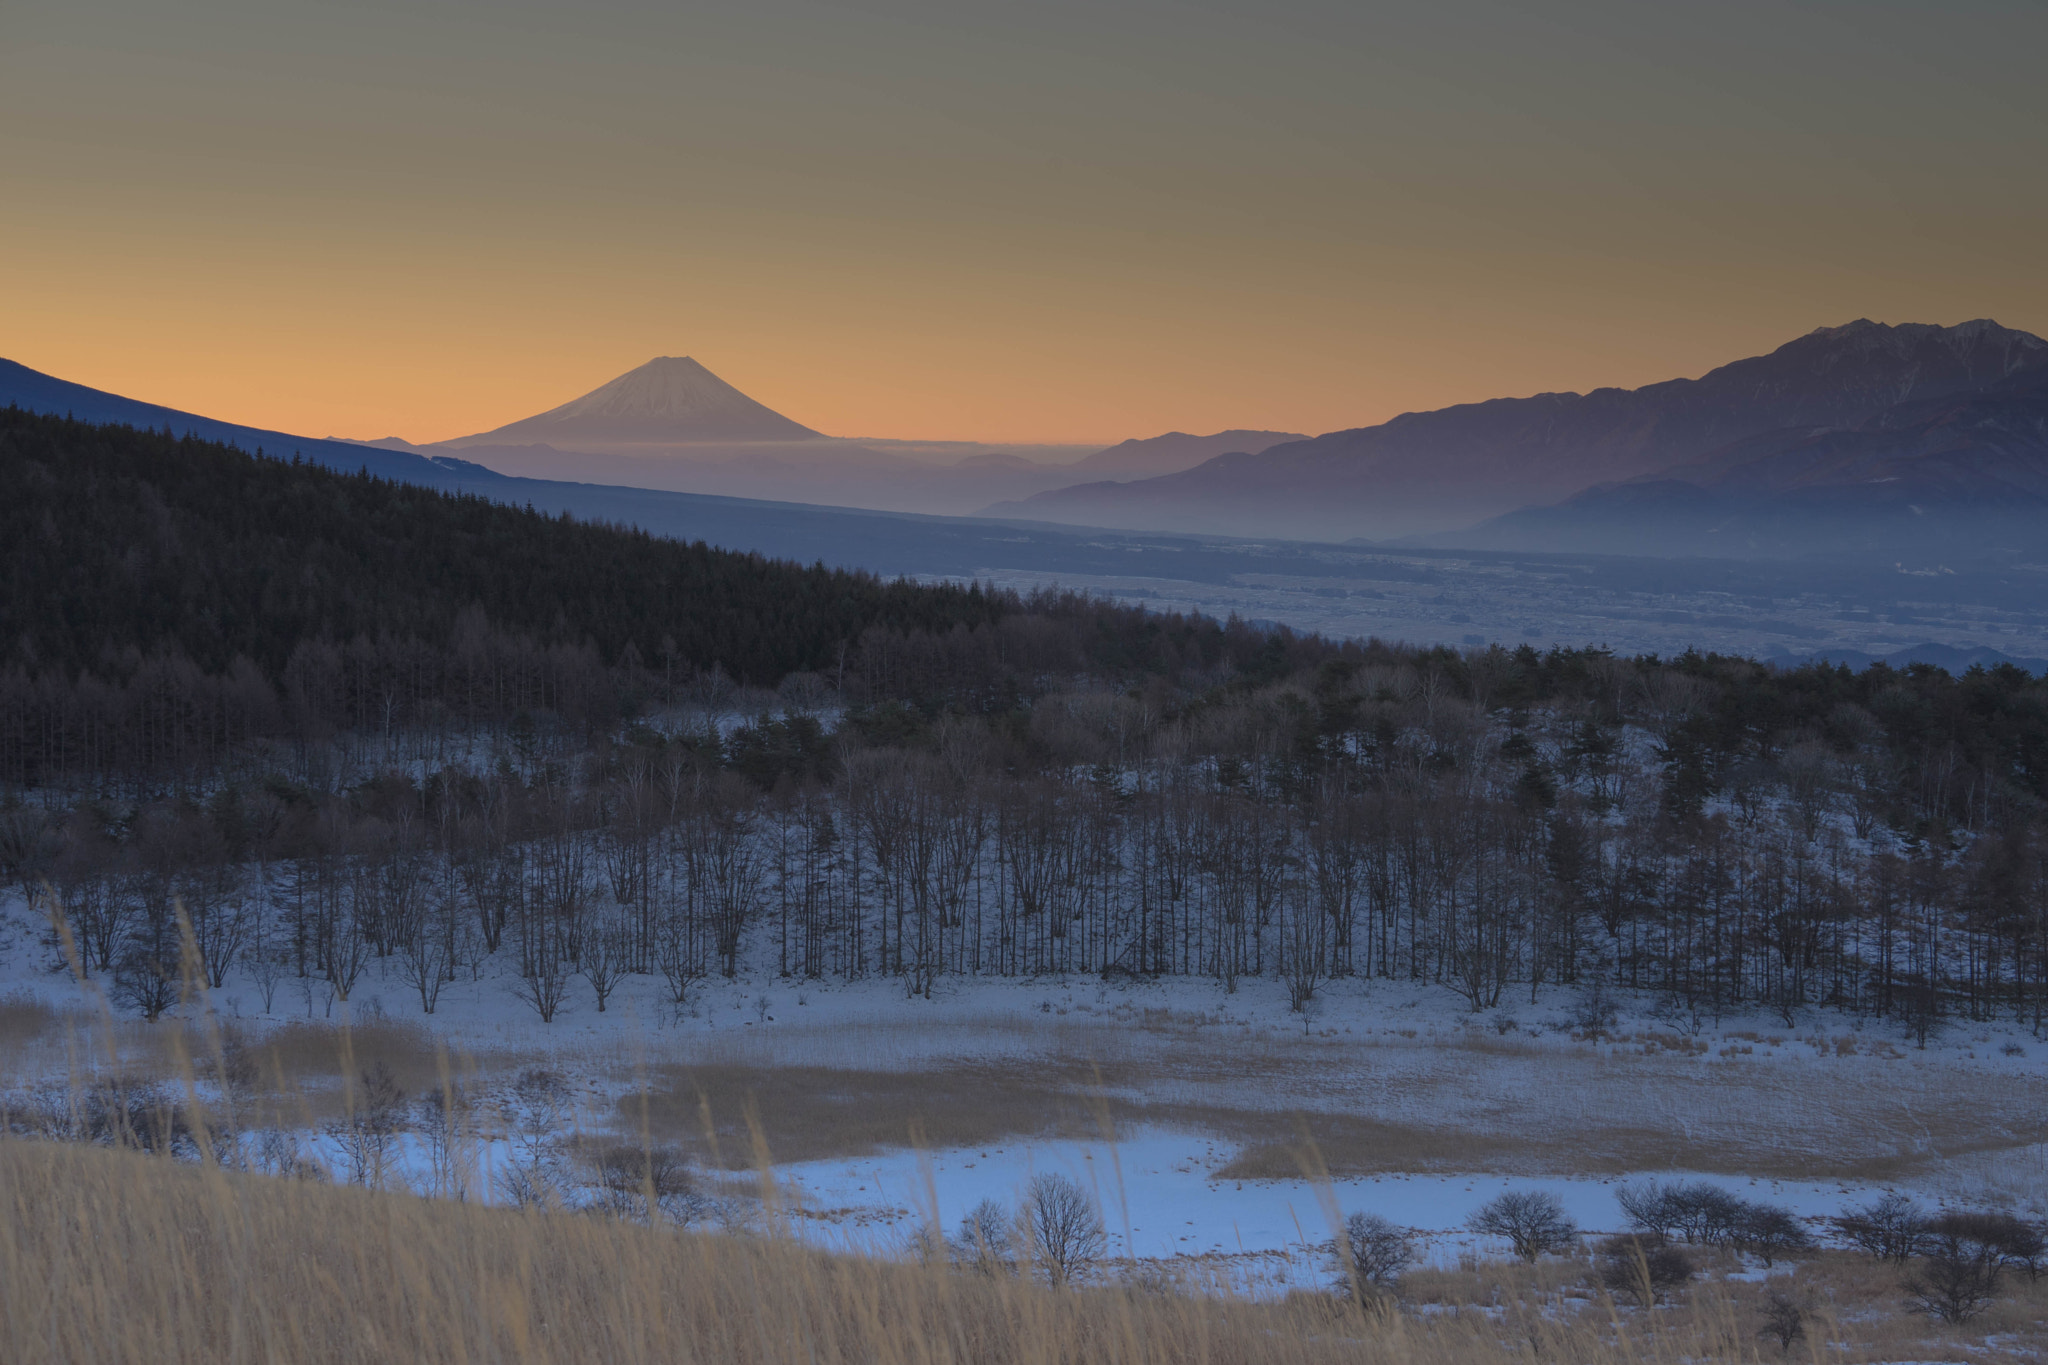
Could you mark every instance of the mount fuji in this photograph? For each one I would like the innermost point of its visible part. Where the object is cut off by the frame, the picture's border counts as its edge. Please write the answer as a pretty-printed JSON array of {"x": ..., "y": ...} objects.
[{"x": 671, "y": 400}]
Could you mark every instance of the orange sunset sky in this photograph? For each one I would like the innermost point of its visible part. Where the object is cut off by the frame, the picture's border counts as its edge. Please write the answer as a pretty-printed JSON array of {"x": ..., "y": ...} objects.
[{"x": 1051, "y": 222}]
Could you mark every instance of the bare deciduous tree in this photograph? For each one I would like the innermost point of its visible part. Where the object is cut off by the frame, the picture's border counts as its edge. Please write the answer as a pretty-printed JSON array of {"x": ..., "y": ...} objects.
[
  {"x": 546, "y": 983},
  {"x": 607, "y": 952},
  {"x": 1533, "y": 1221},
  {"x": 1062, "y": 1229},
  {"x": 447, "y": 1120},
  {"x": 537, "y": 1115},
  {"x": 369, "y": 1129}
]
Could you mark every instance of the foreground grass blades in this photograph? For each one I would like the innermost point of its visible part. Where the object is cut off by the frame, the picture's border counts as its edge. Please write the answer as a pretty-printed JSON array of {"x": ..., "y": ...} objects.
[{"x": 111, "y": 1257}]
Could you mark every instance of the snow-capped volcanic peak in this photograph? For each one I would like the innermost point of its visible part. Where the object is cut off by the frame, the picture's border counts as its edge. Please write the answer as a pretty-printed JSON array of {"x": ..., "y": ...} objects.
[{"x": 670, "y": 399}]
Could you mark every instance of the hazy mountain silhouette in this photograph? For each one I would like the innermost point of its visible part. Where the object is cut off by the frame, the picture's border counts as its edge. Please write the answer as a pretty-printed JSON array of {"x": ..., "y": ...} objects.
[
  {"x": 1965, "y": 473},
  {"x": 1176, "y": 450},
  {"x": 1436, "y": 471},
  {"x": 671, "y": 400},
  {"x": 672, "y": 424}
]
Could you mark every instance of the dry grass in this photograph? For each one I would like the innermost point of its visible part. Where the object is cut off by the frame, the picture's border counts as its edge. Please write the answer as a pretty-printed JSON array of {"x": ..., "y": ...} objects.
[
  {"x": 23, "y": 1020},
  {"x": 299, "y": 1067},
  {"x": 1461, "y": 1101},
  {"x": 110, "y": 1257},
  {"x": 811, "y": 1113}
]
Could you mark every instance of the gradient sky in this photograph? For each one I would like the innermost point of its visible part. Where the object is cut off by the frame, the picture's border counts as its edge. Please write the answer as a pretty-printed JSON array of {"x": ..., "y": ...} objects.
[{"x": 1012, "y": 222}]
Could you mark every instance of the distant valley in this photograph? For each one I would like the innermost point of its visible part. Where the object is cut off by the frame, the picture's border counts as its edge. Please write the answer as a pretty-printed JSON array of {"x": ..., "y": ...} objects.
[{"x": 1595, "y": 568}]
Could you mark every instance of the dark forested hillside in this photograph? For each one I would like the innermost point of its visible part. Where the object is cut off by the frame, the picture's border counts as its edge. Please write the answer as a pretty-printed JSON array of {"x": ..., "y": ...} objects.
[
  {"x": 117, "y": 540},
  {"x": 165, "y": 599}
]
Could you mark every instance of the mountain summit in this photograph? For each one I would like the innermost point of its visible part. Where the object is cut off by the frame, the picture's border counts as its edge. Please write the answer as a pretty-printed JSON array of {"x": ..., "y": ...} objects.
[{"x": 671, "y": 400}]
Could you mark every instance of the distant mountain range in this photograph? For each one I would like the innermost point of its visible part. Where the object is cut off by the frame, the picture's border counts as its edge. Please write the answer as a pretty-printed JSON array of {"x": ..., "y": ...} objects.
[
  {"x": 673, "y": 424},
  {"x": 1435, "y": 472},
  {"x": 1963, "y": 474},
  {"x": 1429, "y": 594},
  {"x": 1175, "y": 451},
  {"x": 1913, "y": 441}
]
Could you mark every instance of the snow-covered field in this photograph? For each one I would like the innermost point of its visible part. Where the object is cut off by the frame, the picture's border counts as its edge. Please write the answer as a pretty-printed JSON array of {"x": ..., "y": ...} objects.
[{"x": 1197, "y": 1115}]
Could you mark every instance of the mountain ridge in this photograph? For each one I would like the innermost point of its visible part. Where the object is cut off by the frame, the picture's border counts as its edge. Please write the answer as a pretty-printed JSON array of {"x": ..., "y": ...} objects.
[
  {"x": 34, "y": 391},
  {"x": 1963, "y": 473},
  {"x": 1174, "y": 451},
  {"x": 1441, "y": 470}
]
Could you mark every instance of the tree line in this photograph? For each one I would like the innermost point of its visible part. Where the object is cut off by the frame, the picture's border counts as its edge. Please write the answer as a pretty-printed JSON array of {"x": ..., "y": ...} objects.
[{"x": 1377, "y": 819}]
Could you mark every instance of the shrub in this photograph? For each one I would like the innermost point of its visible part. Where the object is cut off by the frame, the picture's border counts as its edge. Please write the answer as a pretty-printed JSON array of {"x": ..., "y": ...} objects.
[
  {"x": 1890, "y": 1229},
  {"x": 1957, "y": 1275},
  {"x": 1641, "y": 1266},
  {"x": 1784, "y": 1320},
  {"x": 1771, "y": 1231},
  {"x": 1707, "y": 1215},
  {"x": 1372, "y": 1252},
  {"x": 1534, "y": 1222},
  {"x": 983, "y": 1242}
]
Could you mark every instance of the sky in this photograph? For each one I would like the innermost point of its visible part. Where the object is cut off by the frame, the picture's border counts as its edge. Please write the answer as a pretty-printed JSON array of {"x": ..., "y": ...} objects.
[{"x": 957, "y": 220}]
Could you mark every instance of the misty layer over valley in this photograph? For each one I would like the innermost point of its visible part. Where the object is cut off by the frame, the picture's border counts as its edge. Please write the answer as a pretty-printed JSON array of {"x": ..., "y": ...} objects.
[
  {"x": 672, "y": 424},
  {"x": 1914, "y": 521},
  {"x": 1861, "y": 441}
]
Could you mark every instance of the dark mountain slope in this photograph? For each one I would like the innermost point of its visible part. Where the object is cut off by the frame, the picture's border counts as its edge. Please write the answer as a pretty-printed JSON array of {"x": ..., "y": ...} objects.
[
  {"x": 34, "y": 391},
  {"x": 1432, "y": 471},
  {"x": 117, "y": 544},
  {"x": 1964, "y": 475}
]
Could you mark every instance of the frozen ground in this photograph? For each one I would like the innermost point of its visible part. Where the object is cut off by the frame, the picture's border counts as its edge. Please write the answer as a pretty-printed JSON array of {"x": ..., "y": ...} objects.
[
  {"x": 1161, "y": 1201},
  {"x": 1189, "y": 1109}
]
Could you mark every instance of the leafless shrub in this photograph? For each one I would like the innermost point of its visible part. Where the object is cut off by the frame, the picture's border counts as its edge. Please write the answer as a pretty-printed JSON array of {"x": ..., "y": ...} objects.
[
  {"x": 1890, "y": 1229},
  {"x": 984, "y": 1242},
  {"x": 368, "y": 1132},
  {"x": 1371, "y": 1252},
  {"x": 1784, "y": 1319},
  {"x": 1641, "y": 1267},
  {"x": 1770, "y": 1231},
  {"x": 646, "y": 1182},
  {"x": 1957, "y": 1274},
  {"x": 537, "y": 1116},
  {"x": 1704, "y": 1214},
  {"x": 1533, "y": 1221}
]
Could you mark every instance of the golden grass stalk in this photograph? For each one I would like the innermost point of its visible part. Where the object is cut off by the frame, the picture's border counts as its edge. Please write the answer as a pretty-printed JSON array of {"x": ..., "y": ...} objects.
[{"x": 111, "y": 1257}]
